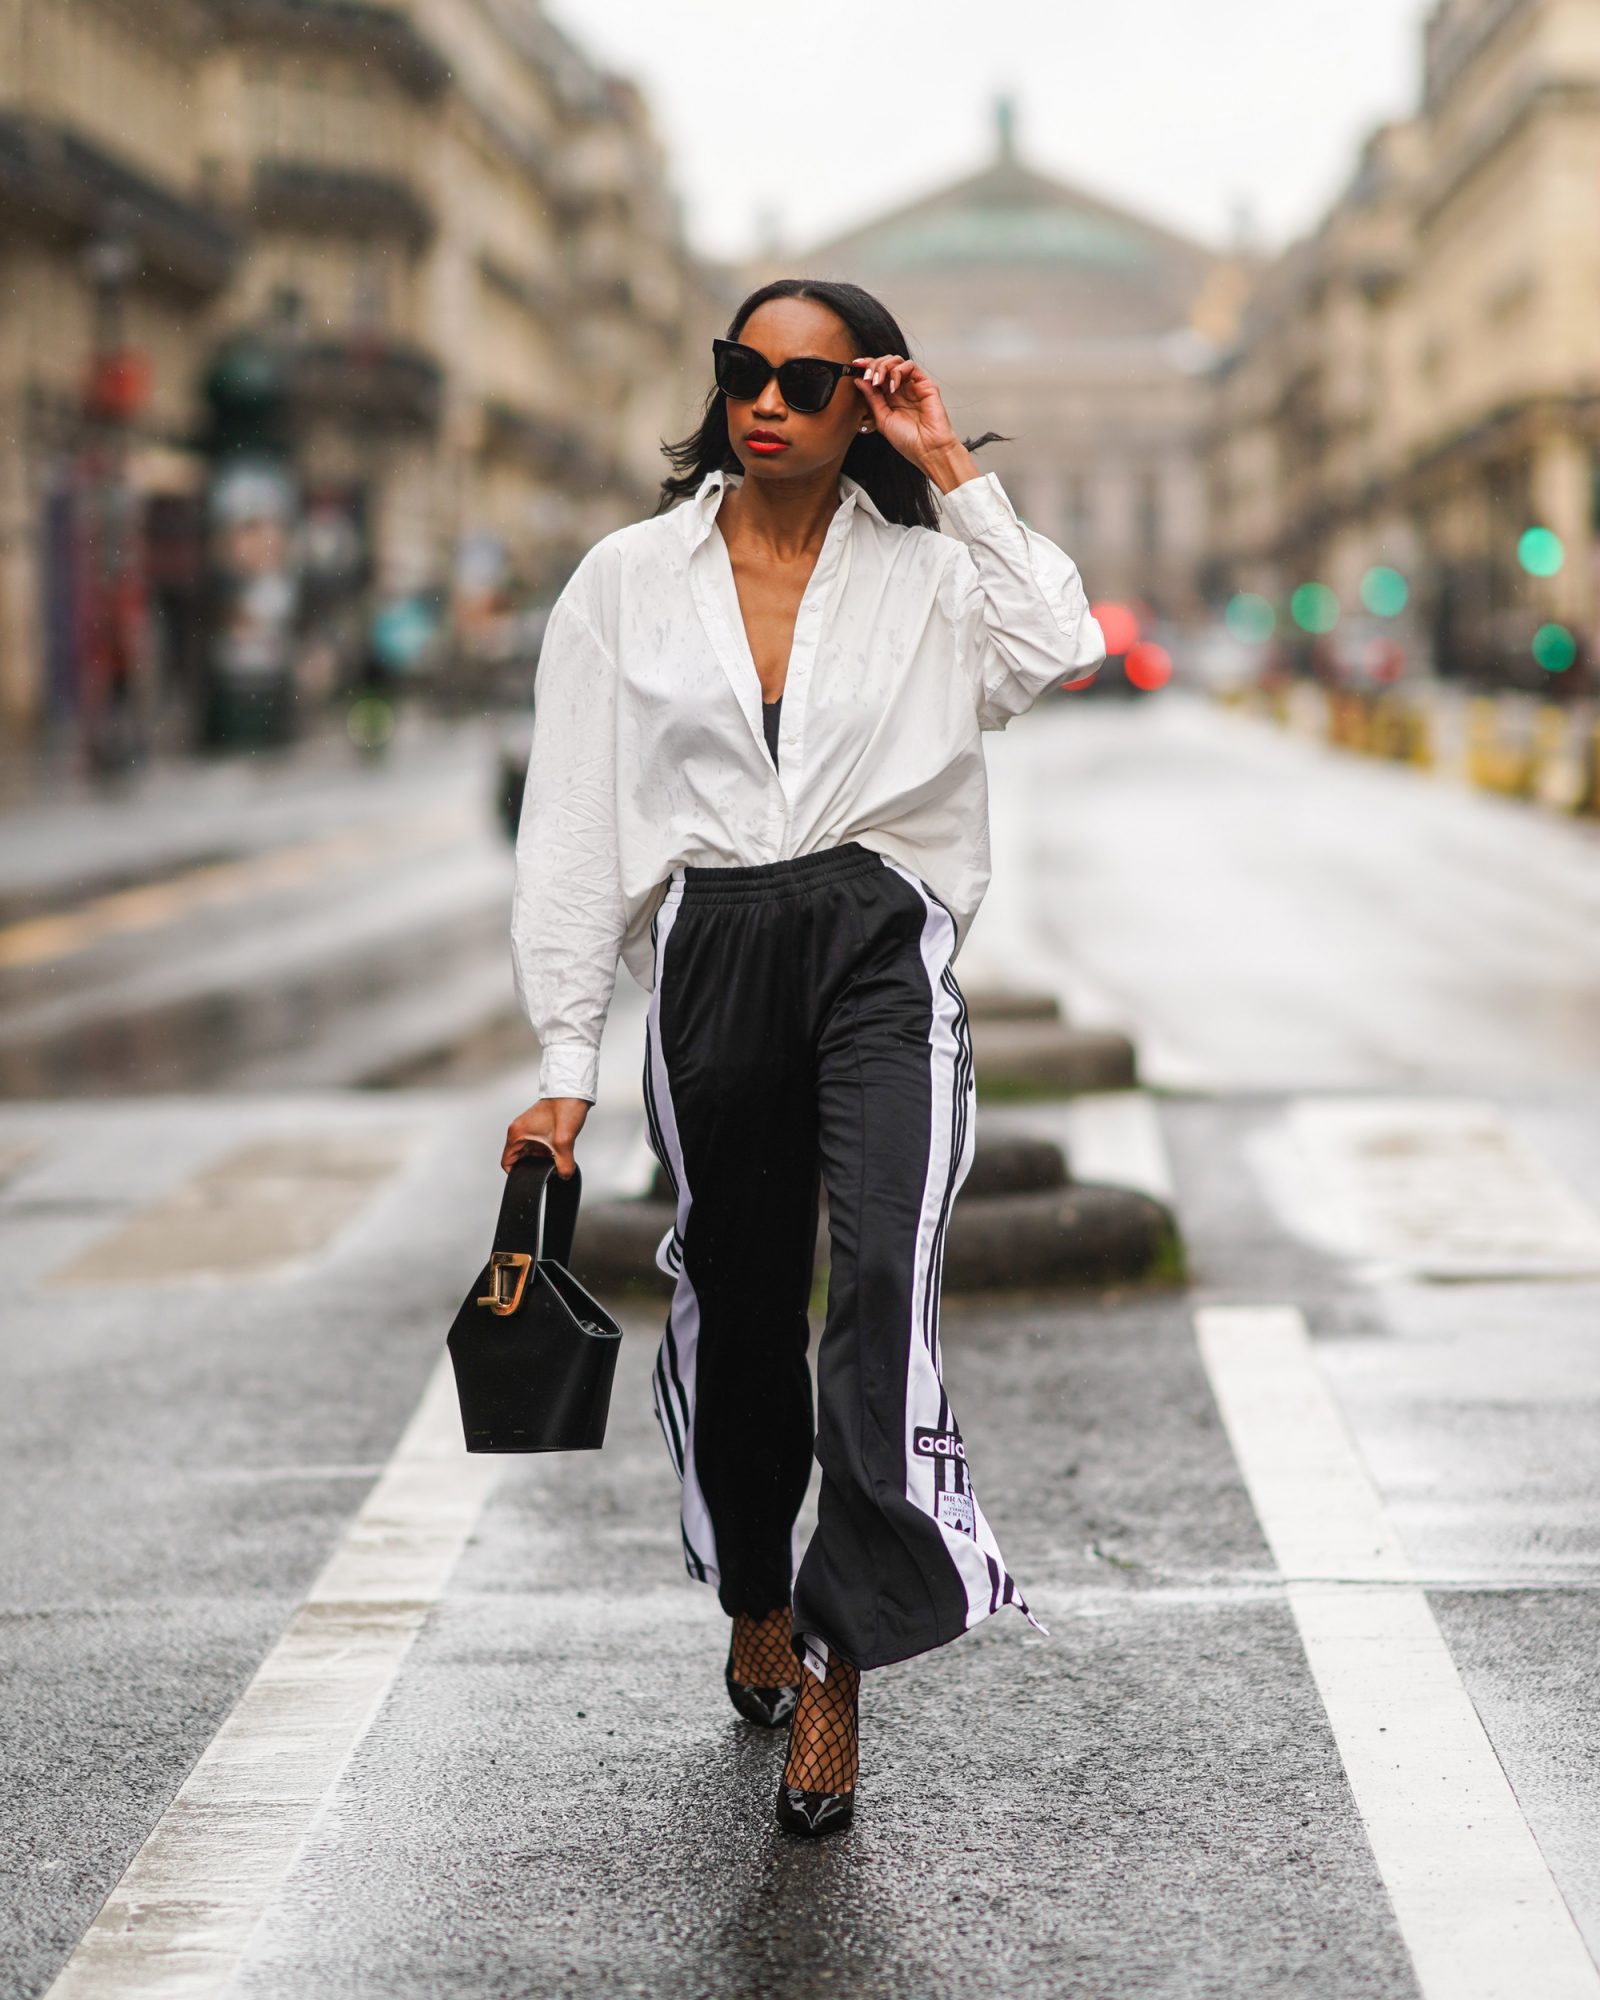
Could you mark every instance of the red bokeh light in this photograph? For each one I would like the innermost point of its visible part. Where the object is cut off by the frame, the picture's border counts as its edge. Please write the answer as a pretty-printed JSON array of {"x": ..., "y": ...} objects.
[
  {"x": 118, "y": 385},
  {"x": 1386, "y": 659},
  {"x": 1119, "y": 624},
  {"x": 1148, "y": 665}
]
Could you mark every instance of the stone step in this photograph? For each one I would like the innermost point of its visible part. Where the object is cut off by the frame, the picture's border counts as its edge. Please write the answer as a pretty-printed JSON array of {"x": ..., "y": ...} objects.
[
  {"x": 1030, "y": 1058},
  {"x": 1001, "y": 1003},
  {"x": 1008, "y": 1165},
  {"x": 1070, "y": 1234}
]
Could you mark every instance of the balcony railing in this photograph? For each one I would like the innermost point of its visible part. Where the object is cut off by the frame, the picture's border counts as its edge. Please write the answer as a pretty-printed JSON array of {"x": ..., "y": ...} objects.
[
  {"x": 368, "y": 382},
  {"x": 355, "y": 27},
  {"x": 55, "y": 183},
  {"x": 556, "y": 451},
  {"x": 304, "y": 194}
]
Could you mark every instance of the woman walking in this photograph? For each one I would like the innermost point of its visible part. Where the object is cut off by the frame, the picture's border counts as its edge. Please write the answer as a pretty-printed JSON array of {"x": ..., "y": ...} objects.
[{"x": 757, "y": 777}]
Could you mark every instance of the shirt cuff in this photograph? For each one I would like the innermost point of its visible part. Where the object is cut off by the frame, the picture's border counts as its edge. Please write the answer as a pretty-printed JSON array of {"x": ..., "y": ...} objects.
[
  {"x": 977, "y": 506},
  {"x": 569, "y": 1069}
]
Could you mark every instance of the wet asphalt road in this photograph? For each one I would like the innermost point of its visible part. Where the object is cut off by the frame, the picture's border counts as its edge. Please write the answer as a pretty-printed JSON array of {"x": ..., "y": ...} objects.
[
  {"x": 554, "y": 1796},
  {"x": 1264, "y": 913},
  {"x": 271, "y": 921}
]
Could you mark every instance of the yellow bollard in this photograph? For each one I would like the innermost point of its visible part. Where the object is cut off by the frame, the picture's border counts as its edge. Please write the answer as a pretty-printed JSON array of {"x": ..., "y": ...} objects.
[
  {"x": 1558, "y": 779},
  {"x": 1390, "y": 726},
  {"x": 1482, "y": 730},
  {"x": 1419, "y": 736}
]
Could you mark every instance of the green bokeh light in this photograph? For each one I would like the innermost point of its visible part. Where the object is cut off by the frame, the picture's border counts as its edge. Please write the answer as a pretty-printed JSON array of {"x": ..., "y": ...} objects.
[
  {"x": 1540, "y": 552},
  {"x": 1384, "y": 591},
  {"x": 1554, "y": 648},
  {"x": 1314, "y": 608},
  {"x": 1250, "y": 617}
]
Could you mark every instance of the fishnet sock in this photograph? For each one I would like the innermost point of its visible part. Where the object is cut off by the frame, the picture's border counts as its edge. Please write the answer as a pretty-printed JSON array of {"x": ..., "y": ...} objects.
[
  {"x": 825, "y": 1734},
  {"x": 763, "y": 1650}
]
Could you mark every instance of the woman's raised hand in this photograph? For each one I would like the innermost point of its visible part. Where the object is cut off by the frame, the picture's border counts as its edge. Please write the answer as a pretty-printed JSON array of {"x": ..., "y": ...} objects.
[
  {"x": 909, "y": 411},
  {"x": 556, "y": 1121}
]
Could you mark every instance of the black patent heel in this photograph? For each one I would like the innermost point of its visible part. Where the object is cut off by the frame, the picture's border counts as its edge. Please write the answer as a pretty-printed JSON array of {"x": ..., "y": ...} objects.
[
  {"x": 824, "y": 1742},
  {"x": 766, "y": 1705}
]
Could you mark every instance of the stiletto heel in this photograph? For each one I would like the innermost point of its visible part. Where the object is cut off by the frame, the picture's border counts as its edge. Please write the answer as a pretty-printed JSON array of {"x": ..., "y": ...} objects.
[
  {"x": 825, "y": 1750},
  {"x": 767, "y": 1650}
]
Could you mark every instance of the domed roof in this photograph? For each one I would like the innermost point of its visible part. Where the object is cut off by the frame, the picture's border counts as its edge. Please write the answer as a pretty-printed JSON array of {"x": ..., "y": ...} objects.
[{"x": 1006, "y": 219}]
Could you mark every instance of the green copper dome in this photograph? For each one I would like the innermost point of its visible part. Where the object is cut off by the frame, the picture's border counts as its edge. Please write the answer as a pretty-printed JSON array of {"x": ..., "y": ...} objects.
[{"x": 997, "y": 232}]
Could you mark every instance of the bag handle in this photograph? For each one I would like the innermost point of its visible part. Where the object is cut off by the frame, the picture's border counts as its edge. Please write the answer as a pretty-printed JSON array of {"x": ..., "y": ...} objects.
[{"x": 538, "y": 1206}]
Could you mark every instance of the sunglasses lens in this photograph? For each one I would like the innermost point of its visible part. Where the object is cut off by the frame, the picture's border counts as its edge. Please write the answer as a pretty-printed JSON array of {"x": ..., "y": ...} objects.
[
  {"x": 806, "y": 385},
  {"x": 740, "y": 375}
]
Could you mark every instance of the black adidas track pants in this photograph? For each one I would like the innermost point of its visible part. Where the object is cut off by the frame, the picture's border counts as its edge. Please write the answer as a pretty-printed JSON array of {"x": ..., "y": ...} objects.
[{"x": 805, "y": 1027}]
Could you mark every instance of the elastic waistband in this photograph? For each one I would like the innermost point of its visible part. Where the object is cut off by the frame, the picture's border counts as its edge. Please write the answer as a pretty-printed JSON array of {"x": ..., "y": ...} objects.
[{"x": 777, "y": 878}]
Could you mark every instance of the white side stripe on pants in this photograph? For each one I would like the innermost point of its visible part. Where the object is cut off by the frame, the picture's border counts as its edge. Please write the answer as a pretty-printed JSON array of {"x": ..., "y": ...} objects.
[
  {"x": 672, "y": 1386},
  {"x": 953, "y": 1506}
]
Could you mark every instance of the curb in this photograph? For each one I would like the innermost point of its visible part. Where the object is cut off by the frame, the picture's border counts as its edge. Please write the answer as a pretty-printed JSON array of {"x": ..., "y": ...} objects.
[
  {"x": 1077, "y": 1235},
  {"x": 1018, "y": 1223},
  {"x": 1000, "y": 1003},
  {"x": 1014, "y": 1164}
]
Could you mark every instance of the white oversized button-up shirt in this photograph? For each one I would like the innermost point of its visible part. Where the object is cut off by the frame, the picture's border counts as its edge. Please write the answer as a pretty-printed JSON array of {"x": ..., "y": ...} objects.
[{"x": 648, "y": 753}]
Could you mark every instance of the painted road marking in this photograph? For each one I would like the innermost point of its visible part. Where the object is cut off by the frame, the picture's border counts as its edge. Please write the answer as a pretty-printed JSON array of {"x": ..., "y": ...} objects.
[
  {"x": 255, "y": 1209},
  {"x": 177, "y": 1924},
  {"x": 44, "y": 940},
  {"x": 1438, "y": 1187},
  {"x": 1475, "y": 1902}
]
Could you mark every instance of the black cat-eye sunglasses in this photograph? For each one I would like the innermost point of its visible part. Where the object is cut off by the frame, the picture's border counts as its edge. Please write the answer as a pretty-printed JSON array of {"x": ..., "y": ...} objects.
[{"x": 806, "y": 383}]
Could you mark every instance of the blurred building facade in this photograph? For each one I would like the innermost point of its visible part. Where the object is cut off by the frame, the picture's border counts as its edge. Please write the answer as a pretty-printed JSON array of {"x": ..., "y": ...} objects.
[
  {"x": 1417, "y": 382},
  {"x": 1082, "y": 332},
  {"x": 449, "y": 227}
]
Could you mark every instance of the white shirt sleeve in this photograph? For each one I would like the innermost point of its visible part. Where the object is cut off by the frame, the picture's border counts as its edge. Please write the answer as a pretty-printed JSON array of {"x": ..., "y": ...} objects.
[
  {"x": 567, "y": 916},
  {"x": 1022, "y": 619}
]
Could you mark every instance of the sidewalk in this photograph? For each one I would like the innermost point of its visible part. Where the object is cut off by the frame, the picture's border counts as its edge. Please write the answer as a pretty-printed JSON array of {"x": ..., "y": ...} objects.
[
  {"x": 1543, "y": 752},
  {"x": 63, "y": 833}
]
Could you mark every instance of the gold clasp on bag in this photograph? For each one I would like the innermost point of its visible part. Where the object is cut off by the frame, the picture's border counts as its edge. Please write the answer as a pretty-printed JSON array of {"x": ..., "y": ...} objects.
[{"x": 508, "y": 1273}]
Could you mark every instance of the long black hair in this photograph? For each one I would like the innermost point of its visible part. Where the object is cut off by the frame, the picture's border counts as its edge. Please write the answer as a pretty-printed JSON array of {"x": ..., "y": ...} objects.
[{"x": 899, "y": 491}]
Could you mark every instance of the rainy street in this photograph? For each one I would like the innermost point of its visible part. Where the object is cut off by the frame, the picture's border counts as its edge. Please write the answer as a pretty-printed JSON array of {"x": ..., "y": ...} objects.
[
  {"x": 398, "y": 397},
  {"x": 324, "y": 1706}
]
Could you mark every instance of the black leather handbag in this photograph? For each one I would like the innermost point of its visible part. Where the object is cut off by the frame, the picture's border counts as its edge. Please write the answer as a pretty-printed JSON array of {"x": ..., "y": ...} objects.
[{"x": 533, "y": 1353}]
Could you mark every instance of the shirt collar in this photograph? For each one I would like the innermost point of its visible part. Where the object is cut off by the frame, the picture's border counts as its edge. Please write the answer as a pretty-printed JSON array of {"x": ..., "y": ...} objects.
[{"x": 697, "y": 515}]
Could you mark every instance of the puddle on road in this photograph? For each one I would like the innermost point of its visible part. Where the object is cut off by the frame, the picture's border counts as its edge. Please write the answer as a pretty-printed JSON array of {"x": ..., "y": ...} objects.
[
  {"x": 54, "y": 899},
  {"x": 202, "y": 1040}
]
